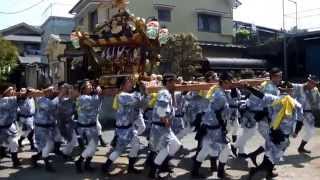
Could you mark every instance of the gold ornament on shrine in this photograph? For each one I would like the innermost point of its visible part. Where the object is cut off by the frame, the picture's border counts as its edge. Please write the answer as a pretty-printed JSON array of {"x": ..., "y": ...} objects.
[
  {"x": 122, "y": 44},
  {"x": 120, "y": 3}
]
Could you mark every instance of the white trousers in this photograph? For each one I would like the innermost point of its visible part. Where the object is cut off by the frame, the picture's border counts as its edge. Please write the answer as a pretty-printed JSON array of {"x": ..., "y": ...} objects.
[
  {"x": 225, "y": 153},
  {"x": 184, "y": 132},
  {"x": 233, "y": 127},
  {"x": 12, "y": 144},
  {"x": 245, "y": 135},
  {"x": 207, "y": 150},
  {"x": 47, "y": 149},
  {"x": 68, "y": 148},
  {"x": 57, "y": 136},
  {"x": 25, "y": 133},
  {"x": 90, "y": 149},
  {"x": 308, "y": 131},
  {"x": 26, "y": 122},
  {"x": 135, "y": 147},
  {"x": 140, "y": 126},
  {"x": 264, "y": 129},
  {"x": 99, "y": 127},
  {"x": 170, "y": 150}
]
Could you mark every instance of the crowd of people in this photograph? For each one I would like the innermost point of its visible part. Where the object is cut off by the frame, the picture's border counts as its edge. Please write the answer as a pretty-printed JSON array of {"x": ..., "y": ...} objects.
[{"x": 59, "y": 119}]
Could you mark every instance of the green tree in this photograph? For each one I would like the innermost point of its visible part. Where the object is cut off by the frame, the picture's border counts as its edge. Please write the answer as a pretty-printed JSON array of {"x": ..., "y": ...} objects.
[
  {"x": 8, "y": 58},
  {"x": 182, "y": 51},
  {"x": 243, "y": 36}
]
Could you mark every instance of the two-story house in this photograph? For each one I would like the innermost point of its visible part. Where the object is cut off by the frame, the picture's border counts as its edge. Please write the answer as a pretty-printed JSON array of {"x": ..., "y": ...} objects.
[
  {"x": 55, "y": 30},
  {"x": 27, "y": 39},
  {"x": 211, "y": 21}
]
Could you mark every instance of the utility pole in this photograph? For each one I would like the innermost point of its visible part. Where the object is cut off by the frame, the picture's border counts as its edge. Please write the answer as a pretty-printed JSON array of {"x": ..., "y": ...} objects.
[
  {"x": 285, "y": 58},
  {"x": 285, "y": 61},
  {"x": 296, "y": 4},
  {"x": 296, "y": 16}
]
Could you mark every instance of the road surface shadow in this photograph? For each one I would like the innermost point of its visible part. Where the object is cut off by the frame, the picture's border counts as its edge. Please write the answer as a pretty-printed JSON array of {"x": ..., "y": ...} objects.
[
  {"x": 240, "y": 164},
  {"x": 298, "y": 160},
  {"x": 64, "y": 171}
]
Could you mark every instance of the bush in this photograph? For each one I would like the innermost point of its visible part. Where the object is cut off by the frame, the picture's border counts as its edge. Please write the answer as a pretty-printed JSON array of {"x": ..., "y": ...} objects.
[
  {"x": 182, "y": 50},
  {"x": 8, "y": 58}
]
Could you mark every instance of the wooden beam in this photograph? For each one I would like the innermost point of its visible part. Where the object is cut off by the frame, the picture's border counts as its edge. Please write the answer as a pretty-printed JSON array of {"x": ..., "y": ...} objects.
[
  {"x": 192, "y": 87},
  {"x": 206, "y": 86}
]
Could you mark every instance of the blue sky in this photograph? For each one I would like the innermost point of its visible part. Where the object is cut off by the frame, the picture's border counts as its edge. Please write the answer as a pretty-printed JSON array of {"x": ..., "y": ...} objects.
[{"x": 261, "y": 12}]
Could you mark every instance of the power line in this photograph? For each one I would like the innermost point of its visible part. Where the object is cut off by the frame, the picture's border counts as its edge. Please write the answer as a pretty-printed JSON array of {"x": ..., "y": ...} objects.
[
  {"x": 23, "y": 10},
  {"x": 302, "y": 17},
  {"x": 314, "y": 28},
  {"x": 304, "y": 11},
  {"x": 63, "y": 4},
  {"x": 309, "y": 16},
  {"x": 51, "y": 5}
]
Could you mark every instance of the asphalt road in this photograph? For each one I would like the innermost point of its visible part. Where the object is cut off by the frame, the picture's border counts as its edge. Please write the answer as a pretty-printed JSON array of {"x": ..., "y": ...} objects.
[{"x": 294, "y": 166}]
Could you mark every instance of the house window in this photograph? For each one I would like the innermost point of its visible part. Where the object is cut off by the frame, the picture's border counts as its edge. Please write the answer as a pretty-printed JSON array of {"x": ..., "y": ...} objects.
[
  {"x": 164, "y": 15},
  {"x": 93, "y": 20},
  {"x": 209, "y": 23},
  {"x": 80, "y": 22},
  {"x": 31, "y": 49}
]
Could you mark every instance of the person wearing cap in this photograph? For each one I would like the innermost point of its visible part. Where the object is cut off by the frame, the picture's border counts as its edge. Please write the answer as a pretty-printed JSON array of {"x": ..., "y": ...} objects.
[
  {"x": 163, "y": 141},
  {"x": 214, "y": 141},
  {"x": 129, "y": 123},
  {"x": 45, "y": 126},
  {"x": 286, "y": 120},
  {"x": 26, "y": 113},
  {"x": 8, "y": 129},
  {"x": 308, "y": 95}
]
